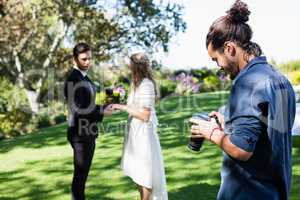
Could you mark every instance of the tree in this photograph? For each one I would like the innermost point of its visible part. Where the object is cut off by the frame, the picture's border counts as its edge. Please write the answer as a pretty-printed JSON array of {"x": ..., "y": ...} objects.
[
  {"x": 2, "y": 8},
  {"x": 34, "y": 34}
]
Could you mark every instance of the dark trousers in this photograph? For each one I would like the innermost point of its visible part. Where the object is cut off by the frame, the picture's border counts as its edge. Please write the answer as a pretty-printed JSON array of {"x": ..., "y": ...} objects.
[{"x": 83, "y": 155}]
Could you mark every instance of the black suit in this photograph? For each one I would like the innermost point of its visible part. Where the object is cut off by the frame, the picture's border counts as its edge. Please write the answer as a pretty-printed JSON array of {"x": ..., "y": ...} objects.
[{"x": 82, "y": 130}]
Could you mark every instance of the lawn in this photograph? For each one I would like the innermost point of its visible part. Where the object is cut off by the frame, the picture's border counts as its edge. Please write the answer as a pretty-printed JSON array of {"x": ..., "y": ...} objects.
[{"x": 39, "y": 166}]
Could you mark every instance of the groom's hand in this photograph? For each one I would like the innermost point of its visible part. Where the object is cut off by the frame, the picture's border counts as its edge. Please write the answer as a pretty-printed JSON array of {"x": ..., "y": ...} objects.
[
  {"x": 108, "y": 110},
  {"x": 120, "y": 107}
]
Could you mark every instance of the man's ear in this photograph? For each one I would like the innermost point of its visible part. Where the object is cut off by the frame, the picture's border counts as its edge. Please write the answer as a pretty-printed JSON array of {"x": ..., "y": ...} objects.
[{"x": 230, "y": 48}]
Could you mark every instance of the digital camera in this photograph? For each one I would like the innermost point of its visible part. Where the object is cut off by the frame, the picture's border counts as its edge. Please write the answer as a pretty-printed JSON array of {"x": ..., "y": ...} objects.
[{"x": 195, "y": 144}]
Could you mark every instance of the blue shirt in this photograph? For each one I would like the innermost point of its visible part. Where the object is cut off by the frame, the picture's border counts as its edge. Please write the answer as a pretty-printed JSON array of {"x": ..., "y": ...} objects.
[{"x": 259, "y": 118}]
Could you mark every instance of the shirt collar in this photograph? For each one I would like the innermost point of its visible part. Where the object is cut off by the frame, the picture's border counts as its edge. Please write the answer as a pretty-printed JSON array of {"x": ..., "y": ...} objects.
[
  {"x": 254, "y": 61},
  {"x": 84, "y": 73}
]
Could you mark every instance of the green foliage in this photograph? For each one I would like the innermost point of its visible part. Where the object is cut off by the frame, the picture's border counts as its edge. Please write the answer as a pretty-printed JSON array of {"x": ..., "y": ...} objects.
[
  {"x": 123, "y": 79},
  {"x": 53, "y": 108},
  {"x": 166, "y": 87},
  {"x": 200, "y": 80},
  {"x": 53, "y": 112},
  {"x": 32, "y": 34},
  {"x": 295, "y": 78},
  {"x": 14, "y": 115},
  {"x": 43, "y": 120},
  {"x": 211, "y": 83},
  {"x": 13, "y": 122},
  {"x": 60, "y": 118},
  {"x": 290, "y": 66},
  {"x": 159, "y": 16},
  {"x": 3, "y": 103},
  {"x": 201, "y": 73},
  {"x": 56, "y": 112}
]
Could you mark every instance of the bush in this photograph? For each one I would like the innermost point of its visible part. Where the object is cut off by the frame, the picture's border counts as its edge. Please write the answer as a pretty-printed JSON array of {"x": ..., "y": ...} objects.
[
  {"x": 53, "y": 112},
  {"x": 43, "y": 121},
  {"x": 201, "y": 73},
  {"x": 14, "y": 116},
  {"x": 31, "y": 126},
  {"x": 166, "y": 87},
  {"x": 211, "y": 83},
  {"x": 290, "y": 66},
  {"x": 123, "y": 80},
  {"x": 295, "y": 78},
  {"x": 53, "y": 108},
  {"x": 187, "y": 84},
  {"x": 1, "y": 136},
  {"x": 14, "y": 122},
  {"x": 60, "y": 118}
]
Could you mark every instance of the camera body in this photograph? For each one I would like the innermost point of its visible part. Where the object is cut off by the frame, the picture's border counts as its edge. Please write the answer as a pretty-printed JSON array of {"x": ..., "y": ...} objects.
[{"x": 195, "y": 144}]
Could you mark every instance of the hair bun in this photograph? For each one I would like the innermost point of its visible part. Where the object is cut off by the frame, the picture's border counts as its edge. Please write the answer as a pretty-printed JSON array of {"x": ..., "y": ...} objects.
[{"x": 239, "y": 12}]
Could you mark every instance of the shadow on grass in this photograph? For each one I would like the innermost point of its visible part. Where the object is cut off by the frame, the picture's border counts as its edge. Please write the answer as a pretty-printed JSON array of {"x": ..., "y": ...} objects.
[
  {"x": 201, "y": 191},
  {"x": 51, "y": 179},
  {"x": 53, "y": 136},
  {"x": 23, "y": 186}
]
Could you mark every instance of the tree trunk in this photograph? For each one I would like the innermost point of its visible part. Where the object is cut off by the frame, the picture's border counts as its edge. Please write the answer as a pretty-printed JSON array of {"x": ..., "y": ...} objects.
[{"x": 33, "y": 96}]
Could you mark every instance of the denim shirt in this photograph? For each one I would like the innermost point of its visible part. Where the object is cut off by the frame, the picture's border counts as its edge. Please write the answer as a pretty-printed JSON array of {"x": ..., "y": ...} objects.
[{"x": 259, "y": 118}]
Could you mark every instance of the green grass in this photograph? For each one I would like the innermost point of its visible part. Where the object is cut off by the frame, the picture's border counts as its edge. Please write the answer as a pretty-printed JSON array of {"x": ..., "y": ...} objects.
[{"x": 39, "y": 166}]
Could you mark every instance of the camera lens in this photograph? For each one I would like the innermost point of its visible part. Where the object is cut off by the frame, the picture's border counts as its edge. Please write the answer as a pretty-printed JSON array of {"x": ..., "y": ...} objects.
[{"x": 195, "y": 144}]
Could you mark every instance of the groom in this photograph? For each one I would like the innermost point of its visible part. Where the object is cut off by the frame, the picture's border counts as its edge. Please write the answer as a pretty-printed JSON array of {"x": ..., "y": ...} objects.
[{"x": 83, "y": 117}]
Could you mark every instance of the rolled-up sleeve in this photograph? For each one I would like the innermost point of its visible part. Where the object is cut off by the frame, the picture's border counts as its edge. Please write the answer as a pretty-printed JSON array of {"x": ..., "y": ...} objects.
[
  {"x": 247, "y": 112},
  {"x": 245, "y": 132}
]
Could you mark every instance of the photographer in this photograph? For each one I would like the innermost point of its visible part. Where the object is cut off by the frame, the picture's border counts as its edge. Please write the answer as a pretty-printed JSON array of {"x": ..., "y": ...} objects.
[{"x": 255, "y": 132}]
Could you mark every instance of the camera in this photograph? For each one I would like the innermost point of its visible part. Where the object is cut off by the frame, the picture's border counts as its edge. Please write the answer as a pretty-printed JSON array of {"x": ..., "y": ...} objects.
[{"x": 195, "y": 144}]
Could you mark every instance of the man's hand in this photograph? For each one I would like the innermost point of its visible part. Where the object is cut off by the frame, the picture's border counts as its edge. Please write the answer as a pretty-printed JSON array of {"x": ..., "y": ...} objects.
[
  {"x": 202, "y": 128},
  {"x": 119, "y": 107},
  {"x": 220, "y": 118},
  {"x": 108, "y": 110}
]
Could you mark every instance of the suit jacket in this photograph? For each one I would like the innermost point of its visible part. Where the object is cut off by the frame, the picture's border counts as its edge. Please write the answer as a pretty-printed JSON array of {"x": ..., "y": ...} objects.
[{"x": 84, "y": 115}]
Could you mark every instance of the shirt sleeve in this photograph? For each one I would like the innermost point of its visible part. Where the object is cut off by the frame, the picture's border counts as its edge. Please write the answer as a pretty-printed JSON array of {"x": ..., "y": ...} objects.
[
  {"x": 248, "y": 108},
  {"x": 245, "y": 132},
  {"x": 146, "y": 94}
]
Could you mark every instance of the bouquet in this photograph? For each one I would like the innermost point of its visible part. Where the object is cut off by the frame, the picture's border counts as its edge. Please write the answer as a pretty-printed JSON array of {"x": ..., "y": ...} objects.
[{"x": 111, "y": 95}]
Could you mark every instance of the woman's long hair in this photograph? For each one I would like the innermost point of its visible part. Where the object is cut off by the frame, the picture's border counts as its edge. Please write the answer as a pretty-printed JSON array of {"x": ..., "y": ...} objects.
[{"x": 140, "y": 68}]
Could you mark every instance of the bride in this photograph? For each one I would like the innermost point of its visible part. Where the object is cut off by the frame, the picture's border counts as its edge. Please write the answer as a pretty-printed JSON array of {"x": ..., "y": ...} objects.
[{"x": 142, "y": 158}]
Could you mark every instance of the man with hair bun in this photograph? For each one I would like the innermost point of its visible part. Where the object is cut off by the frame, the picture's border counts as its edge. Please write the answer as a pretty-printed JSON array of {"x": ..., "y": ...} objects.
[{"x": 255, "y": 130}]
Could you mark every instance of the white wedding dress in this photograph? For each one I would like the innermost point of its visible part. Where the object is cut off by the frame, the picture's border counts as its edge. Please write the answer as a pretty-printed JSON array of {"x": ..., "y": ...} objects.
[{"x": 142, "y": 158}]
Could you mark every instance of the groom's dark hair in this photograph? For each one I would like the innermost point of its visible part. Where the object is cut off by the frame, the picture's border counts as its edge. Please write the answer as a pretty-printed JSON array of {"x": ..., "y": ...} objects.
[{"x": 80, "y": 48}]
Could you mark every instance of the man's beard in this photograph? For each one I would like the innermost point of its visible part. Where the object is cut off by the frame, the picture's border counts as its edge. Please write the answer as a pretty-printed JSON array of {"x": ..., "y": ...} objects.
[{"x": 231, "y": 69}]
